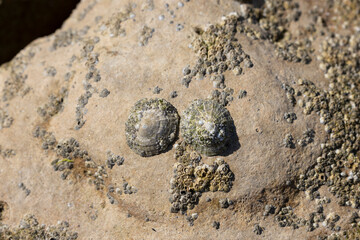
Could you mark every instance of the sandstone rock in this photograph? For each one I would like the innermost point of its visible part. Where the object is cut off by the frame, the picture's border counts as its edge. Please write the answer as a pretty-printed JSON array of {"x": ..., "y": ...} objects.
[{"x": 128, "y": 49}]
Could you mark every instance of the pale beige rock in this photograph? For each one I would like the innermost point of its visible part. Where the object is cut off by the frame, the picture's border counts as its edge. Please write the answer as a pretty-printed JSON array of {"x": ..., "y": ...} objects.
[{"x": 262, "y": 165}]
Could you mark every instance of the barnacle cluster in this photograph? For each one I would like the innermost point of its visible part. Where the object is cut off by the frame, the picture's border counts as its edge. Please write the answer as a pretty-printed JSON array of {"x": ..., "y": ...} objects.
[
  {"x": 15, "y": 84},
  {"x": 192, "y": 177},
  {"x": 115, "y": 22},
  {"x": 67, "y": 37},
  {"x": 151, "y": 127},
  {"x": 218, "y": 51},
  {"x": 114, "y": 190},
  {"x": 338, "y": 165},
  {"x": 224, "y": 97},
  {"x": 286, "y": 218},
  {"x": 290, "y": 93},
  {"x": 7, "y": 152},
  {"x": 92, "y": 59},
  {"x": 207, "y": 126},
  {"x": 29, "y": 228},
  {"x": 345, "y": 13},
  {"x": 272, "y": 23},
  {"x": 54, "y": 106},
  {"x": 307, "y": 138},
  {"x": 203, "y": 177},
  {"x": 290, "y": 117},
  {"x": 113, "y": 159},
  {"x": 70, "y": 158},
  {"x": 5, "y": 119},
  {"x": 145, "y": 34}
]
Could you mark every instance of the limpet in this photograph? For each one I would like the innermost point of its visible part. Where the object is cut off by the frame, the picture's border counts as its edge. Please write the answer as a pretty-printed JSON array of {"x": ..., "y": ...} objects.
[
  {"x": 207, "y": 126},
  {"x": 151, "y": 127}
]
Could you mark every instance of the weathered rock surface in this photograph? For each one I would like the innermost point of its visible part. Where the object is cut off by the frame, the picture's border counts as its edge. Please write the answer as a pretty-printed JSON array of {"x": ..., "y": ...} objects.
[{"x": 81, "y": 83}]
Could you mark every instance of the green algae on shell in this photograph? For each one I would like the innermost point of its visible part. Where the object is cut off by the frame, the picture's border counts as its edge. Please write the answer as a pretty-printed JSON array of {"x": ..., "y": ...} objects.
[
  {"x": 207, "y": 126},
  {"x": 151, "y": 127}
]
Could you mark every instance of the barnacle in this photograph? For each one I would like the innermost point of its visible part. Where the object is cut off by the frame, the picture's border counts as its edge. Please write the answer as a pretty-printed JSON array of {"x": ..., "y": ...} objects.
[
  {"x": 207, "y": 126},
  {"x": 197, "y": 178},
  {"x": 151, "y": 127}
]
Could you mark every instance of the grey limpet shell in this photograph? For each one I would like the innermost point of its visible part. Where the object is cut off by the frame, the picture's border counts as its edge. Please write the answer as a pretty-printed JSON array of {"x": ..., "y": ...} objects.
[
  {"x": 207, "y": 126},
  {"x": 151, "y": 127}
]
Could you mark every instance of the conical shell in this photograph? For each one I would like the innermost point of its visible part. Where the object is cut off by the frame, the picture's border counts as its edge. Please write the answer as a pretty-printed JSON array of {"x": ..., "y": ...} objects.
[
  {"x": 207, "y": 126},
  {"x": 151, "y": 127}
]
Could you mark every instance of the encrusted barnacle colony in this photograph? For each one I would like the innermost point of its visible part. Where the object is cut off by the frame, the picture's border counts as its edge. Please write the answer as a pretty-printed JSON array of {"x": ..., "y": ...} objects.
[
  {"x": 207, "y": 126},
  {"x": 192, "y": 177},
  {"x": 151, "y": 127}
]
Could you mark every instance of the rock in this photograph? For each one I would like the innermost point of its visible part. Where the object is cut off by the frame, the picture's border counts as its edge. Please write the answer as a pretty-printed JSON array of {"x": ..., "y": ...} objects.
[{"x": 125, "y": 49}]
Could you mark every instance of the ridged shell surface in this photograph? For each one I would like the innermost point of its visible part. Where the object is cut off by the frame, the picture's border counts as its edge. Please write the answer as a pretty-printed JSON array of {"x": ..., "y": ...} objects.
[
  {"x": 151, "y": 127},
  {"x": 207, "y": 126}
]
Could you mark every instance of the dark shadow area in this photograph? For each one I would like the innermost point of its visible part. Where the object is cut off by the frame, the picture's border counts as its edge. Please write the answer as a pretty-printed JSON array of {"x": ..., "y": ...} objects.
[
  {"x": 233, "y": 143},
  {"x": 3, "y": 208},
  {"x": 258, "y": 3},
  {"x": 22, "y": 21},
  {"x": 255, "y": 3}
]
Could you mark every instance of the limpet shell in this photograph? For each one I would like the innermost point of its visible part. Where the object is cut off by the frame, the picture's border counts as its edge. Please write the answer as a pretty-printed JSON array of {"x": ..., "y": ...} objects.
[
  {"x": 207, "y": 126},
  {"x": 151, "y": 127}
]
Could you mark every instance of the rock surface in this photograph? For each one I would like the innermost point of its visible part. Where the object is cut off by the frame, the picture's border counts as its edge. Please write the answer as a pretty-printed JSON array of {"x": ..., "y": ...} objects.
[{"x": 81, "y": 83}]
